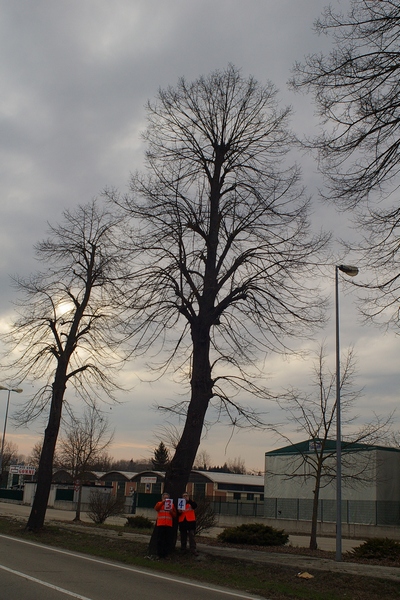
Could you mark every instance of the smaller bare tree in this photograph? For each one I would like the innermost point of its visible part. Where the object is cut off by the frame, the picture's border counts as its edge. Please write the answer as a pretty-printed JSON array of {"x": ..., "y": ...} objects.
[
  {"x": 10, "y": 456},
  {"x": 82, "y": 444},
  {"x": 34, "y": 457},
  {"x": 237, "y": 465},
  {"x": 203, "y": 460},
  {"x": 315, "y": 416},
  {"x": 103, "y": 505}
]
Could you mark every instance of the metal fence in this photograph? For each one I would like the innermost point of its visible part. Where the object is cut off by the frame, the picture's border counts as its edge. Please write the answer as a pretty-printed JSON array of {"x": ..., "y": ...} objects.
[
  {"x": 235, "y": 508},
  {"x": 219, "y": 505},
  {"x": 11, "y": 494},
  {"x": 361, "y": 512}
]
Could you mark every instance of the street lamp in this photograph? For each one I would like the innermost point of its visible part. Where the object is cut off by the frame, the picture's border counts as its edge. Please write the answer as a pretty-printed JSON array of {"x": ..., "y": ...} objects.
[
  {"x": 351, "y": 272},
  {"x": 9, "y": 390}
]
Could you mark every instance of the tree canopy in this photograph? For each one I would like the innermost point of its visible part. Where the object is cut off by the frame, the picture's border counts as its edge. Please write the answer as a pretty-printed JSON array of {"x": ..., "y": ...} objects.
[
  {"x": 357, "y": 93},
  {"x": 66, "y": 332},
  {"x": 222, "y": 246}
]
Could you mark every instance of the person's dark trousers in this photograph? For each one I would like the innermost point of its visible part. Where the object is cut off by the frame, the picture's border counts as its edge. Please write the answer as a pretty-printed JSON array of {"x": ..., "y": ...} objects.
[
  {"x": 164, "y": 540},
  {"x": 188, "y": 530}
]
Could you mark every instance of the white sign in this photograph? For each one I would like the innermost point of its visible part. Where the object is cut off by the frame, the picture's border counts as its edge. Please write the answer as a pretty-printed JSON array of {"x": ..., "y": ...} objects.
[
  {"x": 148, "y": 480},
  {"x": 21, "y": 470},
  {"x": 168, "y": 504},
  {"x": 181, "y": 504}
]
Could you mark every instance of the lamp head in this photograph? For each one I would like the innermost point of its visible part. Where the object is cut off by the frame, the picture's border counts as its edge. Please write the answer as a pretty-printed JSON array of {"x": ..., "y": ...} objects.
[{"x": 348, "y": 270}]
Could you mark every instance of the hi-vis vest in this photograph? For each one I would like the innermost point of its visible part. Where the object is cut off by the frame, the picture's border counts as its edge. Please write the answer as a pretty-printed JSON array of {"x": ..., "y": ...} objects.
[
  {"x": 187, "y": 514},
  {"x": 164, "y": 517}
]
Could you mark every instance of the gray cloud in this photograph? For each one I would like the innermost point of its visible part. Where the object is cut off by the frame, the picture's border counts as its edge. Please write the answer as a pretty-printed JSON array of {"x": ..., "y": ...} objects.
[{"x": 75, "y": 77}]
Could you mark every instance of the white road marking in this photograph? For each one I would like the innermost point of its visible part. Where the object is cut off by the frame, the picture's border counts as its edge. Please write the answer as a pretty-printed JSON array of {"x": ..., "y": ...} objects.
[
  {"x": 133, "y": 570},
  {"x": 49, "y": 585}
]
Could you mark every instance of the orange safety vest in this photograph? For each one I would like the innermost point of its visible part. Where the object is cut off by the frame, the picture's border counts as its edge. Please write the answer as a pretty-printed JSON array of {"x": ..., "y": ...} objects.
[
  {"x": 164, "y": 517},
  {"x": 187, "y": 514}
]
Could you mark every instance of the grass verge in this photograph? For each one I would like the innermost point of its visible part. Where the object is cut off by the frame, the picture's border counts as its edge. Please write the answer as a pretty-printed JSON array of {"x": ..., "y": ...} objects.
[{"x": 269, "y": 581}]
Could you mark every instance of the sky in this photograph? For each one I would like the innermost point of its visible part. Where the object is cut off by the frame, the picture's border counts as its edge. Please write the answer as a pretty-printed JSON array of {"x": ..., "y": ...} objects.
[{"x": 75, "y": 77}]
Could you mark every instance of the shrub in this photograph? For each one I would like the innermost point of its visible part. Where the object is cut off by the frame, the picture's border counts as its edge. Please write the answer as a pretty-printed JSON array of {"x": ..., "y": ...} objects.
[
  {"x": 255, "y": 534},
  {"x": 378, "y": 548},
  {"x": 103, "y": 505},
  {"x": 139, "y": 522},
  {"x": 205, "y": 516}
]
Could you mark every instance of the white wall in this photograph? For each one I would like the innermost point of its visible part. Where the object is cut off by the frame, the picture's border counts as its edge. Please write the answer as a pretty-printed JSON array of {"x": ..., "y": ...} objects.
[{"x": 381, "y": 469}]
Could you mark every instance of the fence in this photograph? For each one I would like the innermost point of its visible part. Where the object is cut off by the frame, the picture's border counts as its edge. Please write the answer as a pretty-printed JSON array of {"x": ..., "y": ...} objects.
[
  {"x": 360, "y": 512},
  {"x": 11, "y": 494}
]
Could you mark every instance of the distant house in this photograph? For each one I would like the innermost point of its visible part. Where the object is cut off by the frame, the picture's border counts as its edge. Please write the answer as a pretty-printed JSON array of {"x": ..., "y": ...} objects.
[
  {"x": 215, "y": 486},
  {"x": 370, "y": 482}
]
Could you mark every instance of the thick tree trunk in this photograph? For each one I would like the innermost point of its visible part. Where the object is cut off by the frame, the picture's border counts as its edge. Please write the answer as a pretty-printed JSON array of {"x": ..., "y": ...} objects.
[
  {"x": 45, "y": 471},
  {"x": 179, "y": 469}
]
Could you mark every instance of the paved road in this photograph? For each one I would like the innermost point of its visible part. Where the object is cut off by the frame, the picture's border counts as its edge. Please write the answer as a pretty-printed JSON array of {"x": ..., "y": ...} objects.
[{"x": 35, "y": 572}]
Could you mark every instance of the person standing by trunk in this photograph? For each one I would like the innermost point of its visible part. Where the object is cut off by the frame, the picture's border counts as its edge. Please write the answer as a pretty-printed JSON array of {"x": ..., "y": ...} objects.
[
  {"x": 187, "y": 524},
  {"x": 164, "y": 525}
]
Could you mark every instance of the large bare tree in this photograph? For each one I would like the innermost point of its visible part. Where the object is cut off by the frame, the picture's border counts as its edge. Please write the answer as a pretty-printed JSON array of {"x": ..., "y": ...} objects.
[
  {"x": 223, "y": 247},
  {"x": 65, "y": 334},
  {"x": 356, "y": 87}
]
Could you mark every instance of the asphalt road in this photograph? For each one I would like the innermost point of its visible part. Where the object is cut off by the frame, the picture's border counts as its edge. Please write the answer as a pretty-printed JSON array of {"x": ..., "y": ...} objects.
[{"x": 35, "y": 572}]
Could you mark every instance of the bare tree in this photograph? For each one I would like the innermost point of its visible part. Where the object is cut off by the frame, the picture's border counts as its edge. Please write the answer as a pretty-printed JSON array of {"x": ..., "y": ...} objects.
[
  {"x": 10, "y": 456},
  {"x": 223, "y": 247},
  {"x": 356, "y": 89},
  {"x": 105, "y": 462},
  {"x": 102, "y": 505},
  {"x": 66, "y": 330},
  {"x": 203, "y": 460},
  {"x": 131, "y": 465},
  {"x": 237, "y": 465},
  {"x": 82, "y": 444},
  {"x": 314, "y": 415},
  {"x": 34, "y": 457}
]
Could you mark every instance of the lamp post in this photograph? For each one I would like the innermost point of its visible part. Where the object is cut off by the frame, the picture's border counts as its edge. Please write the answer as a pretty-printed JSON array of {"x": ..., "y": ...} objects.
[
  {"x": 9, "y": 390},
  {"x": 351, "y": 271}
]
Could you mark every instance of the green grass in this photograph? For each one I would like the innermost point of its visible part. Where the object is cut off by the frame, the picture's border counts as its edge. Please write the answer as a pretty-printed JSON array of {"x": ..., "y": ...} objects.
[{"x": 270, "y": 581}]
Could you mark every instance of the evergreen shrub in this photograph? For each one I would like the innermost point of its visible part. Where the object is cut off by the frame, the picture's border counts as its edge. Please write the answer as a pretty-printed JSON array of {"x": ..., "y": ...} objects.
[
  {"x": 139, "y": 522},
  {"x": 255, "y": 534},
  {"x": 378, "y": 548}
]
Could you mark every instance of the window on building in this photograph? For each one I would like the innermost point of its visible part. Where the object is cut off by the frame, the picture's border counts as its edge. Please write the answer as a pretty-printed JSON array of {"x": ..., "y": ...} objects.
[
  {"x": 250, "y": 497},
  {"x": 237, "y": 495}
]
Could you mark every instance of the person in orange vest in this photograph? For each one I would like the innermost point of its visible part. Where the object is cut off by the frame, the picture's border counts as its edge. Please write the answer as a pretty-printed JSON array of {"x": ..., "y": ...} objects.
[
  {"x": 187, "y": 524},
  {"x": 164, "y": 525}
]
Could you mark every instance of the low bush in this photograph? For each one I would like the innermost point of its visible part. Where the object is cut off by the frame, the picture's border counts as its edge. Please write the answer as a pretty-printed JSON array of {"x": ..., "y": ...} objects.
[
  {"x": 103, "y": 505},
  {"x": 378, "y": 548},
  {"x": 205, "y": 517},
  {"x": 255, "y": 534},
  {"x": 139, "y": 522}
]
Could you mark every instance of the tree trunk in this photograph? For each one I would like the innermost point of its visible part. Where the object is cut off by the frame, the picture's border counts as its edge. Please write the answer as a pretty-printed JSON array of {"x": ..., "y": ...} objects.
[
  {"x": 180, "y": 467},
  {"x": 314, "y": 518},
  {"x": 45, "y": 471},
  {"x": 79, "y": 503}
]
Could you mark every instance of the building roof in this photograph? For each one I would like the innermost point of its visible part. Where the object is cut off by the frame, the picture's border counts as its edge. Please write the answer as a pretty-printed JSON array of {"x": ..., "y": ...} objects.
[
  {"x": 217, "y": 477},
  {"x": 225, "y": 479},
  {"x": 307, "y": 447}
]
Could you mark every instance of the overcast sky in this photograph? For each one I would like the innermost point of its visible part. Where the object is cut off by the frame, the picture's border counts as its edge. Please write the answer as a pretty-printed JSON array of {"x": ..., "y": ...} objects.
[{"x": 75, "y": 76}]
